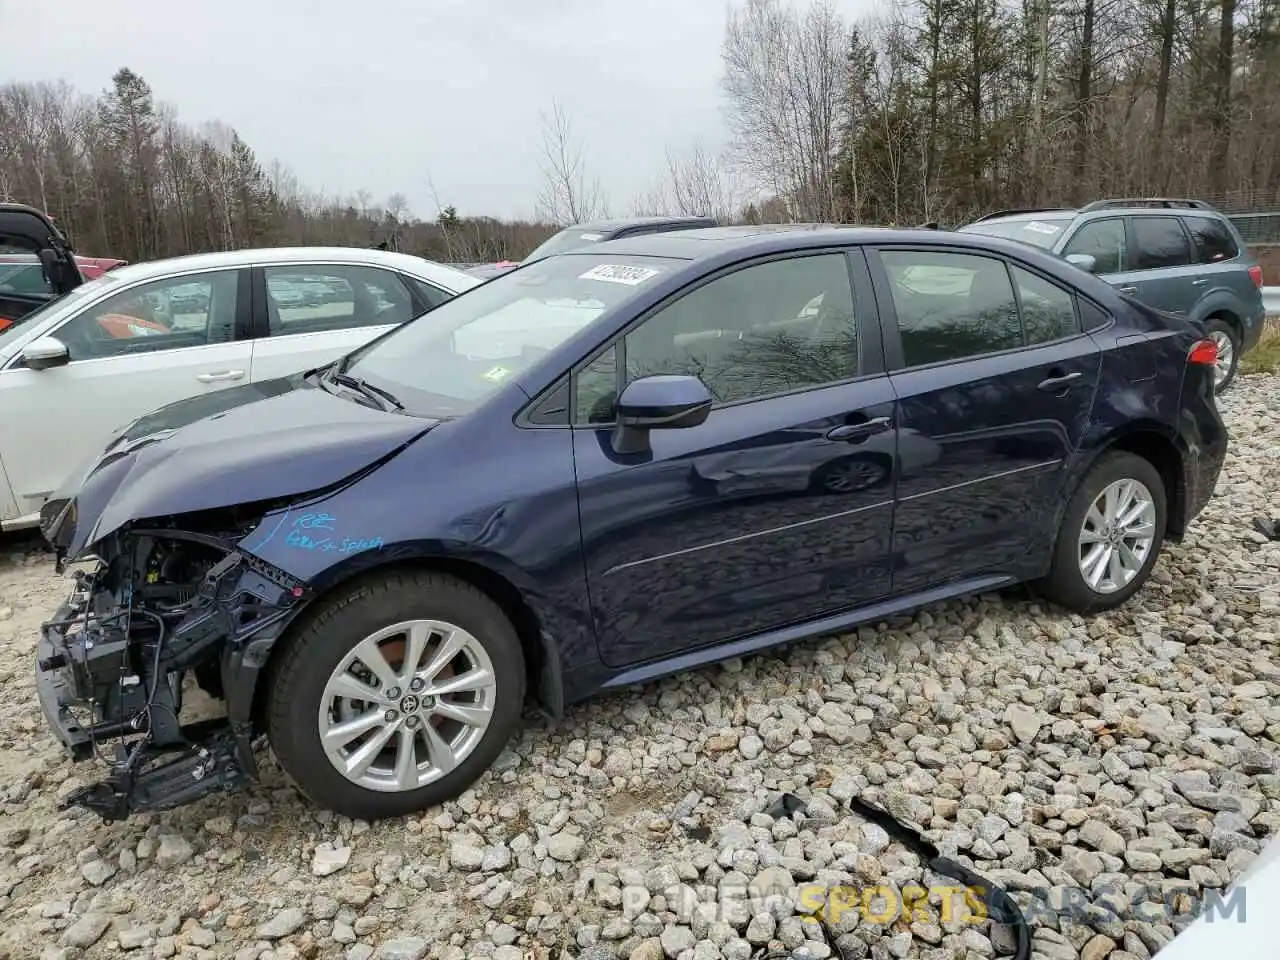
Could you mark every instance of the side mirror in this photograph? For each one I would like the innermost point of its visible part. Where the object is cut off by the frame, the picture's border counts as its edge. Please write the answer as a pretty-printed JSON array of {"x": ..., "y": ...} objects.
[
  {"x": 658, "y": 403},
  {"x": 45, "y": 352},
  {"x": 1084, "y": 261}
]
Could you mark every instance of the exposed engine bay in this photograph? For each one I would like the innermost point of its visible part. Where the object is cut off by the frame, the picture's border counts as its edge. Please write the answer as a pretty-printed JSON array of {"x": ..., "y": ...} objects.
[{"x": 164, "y": 604}]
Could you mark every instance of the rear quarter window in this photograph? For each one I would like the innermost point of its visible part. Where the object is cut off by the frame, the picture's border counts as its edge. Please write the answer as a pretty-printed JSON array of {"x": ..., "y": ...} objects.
[{"x": 1211, "y": 240}]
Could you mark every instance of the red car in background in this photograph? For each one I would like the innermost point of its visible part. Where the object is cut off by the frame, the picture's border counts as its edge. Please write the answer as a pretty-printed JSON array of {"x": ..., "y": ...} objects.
[{"x": 91, "y": 268}]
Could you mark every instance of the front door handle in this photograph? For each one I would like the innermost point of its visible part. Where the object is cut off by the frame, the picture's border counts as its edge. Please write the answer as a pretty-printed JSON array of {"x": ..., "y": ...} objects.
[
  {"x": 1200, "y": 283},
  {"x": 1059, "y": 383},
  {"x": 857, "y": 432},
  {"x": 221, "y": 375},
  {"x": 1129, "y": 290}
]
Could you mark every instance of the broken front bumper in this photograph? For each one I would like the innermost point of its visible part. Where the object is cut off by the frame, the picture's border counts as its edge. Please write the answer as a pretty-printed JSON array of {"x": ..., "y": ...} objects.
[
  {"x": 98, "y": 707},
  {"x": 55, "y": 687}
]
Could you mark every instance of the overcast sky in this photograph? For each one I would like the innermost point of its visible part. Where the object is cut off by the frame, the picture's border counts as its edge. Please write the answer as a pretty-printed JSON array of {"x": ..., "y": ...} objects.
[{"x": 389, "y": 94}]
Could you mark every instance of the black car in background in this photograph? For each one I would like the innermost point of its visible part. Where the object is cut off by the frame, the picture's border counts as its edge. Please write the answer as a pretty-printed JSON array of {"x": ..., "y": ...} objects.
[
  {"x": 584, "y": 234},
  {"x": 24, "y": 232}
]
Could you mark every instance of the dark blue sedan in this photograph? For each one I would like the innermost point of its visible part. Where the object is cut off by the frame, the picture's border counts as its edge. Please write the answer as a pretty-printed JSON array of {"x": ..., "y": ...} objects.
[{"x": 607, "y": 466}]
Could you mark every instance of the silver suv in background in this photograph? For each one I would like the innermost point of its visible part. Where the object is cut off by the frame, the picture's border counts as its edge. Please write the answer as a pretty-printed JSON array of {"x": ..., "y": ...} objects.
[{"x": 1181, "y": 256}]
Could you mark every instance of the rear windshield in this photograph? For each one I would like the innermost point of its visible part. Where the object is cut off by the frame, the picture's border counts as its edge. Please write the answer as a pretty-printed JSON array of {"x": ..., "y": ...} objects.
[
  {"x": 575, "y": 238},
  {"x": 1039, "y": 232}
]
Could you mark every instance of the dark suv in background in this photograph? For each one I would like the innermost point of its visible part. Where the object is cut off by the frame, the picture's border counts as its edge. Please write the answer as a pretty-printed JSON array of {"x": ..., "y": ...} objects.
[
  {"x": 597, "y": 231},
  {"x": 1180, "y": 256}
]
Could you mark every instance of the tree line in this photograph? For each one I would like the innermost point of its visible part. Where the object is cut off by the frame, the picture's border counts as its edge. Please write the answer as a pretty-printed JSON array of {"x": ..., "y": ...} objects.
[
  {"x": 925, "y": 110},
  {"x": 124, "y": 177},
  {"x": 944, "y": 109}
]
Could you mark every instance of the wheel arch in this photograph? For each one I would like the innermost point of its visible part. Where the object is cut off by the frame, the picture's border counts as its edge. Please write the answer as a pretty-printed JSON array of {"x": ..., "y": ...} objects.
[
  {"x": 543, "y": 668},
  {"x": 1154, "y": 443}
]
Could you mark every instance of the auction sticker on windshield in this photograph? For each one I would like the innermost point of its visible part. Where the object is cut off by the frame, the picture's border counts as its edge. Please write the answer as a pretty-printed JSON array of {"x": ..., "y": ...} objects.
[
  {"x": 617, "y": 273},
  {"x": 1039, "y": 227}
]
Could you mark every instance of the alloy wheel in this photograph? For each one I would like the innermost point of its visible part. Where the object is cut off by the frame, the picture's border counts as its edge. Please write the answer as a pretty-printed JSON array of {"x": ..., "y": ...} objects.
[
  {"x": 1117, "y": 535},
  {"x": 1226, "y": 353},
  {"x": 852, "y": 475},
  {"x": 407, "y": 705}
]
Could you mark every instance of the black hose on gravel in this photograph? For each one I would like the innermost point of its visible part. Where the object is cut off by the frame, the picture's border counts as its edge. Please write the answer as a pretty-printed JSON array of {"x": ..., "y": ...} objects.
[{"x": 1001, "y": 908}]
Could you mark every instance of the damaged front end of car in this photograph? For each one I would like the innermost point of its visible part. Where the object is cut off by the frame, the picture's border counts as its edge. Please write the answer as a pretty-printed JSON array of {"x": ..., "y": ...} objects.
[
  {"x": 168, "y": 603},
  {"x": 163, "y": 610}
]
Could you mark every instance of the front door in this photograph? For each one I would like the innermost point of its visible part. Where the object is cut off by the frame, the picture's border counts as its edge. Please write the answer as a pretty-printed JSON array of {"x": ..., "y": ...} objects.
[
  {"x": 127, "y": 355},
  {"x": 778, "y": 508},
  {"x": 995, "y": 381}
]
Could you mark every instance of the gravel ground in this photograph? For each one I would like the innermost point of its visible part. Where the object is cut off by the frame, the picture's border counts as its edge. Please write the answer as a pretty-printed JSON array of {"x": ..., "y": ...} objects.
[{"x": 1098, "y": 766}]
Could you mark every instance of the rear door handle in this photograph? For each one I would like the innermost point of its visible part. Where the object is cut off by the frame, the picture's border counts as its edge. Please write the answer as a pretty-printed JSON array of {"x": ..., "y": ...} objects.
[
  {"x": 221, "y": 375},
  {"x": 857, "y": 432},
  {"x": 1200, "y": 283},
  {"x": 1129, "y": 290},
  {"x": 1059, "y": 383}
]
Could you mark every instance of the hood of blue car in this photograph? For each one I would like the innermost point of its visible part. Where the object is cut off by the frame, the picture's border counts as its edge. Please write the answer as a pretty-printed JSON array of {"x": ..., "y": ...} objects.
[{"x": 263, "y": 441}]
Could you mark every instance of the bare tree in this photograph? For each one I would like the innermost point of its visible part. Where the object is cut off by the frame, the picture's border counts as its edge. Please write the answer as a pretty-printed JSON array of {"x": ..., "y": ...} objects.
[
  {"x": 569, "y": 193},
  {"x": 697, "y": 183},
  {"x": 785, "y": 78}
]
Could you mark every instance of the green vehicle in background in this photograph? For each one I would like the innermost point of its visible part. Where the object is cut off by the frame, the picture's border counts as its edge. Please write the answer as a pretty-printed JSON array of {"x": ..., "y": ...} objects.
[{"x": 1181, "y": 256}]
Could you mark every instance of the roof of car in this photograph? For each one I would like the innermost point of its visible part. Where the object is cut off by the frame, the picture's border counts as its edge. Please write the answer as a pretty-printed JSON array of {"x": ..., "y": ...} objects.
[
  {"x": 606, "y": 226},
  {"x": 714, "y": 241},
  {"x": 449, "y": 277},
  {"x": 1107, "y": 208}
]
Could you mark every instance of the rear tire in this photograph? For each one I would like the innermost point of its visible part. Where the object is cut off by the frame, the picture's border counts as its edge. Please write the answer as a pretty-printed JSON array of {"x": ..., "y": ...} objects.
[
  {"x": 1082, "y": 576},
  {"x": 1227, "y": 337},
  {"x": 349, "y": 670}
]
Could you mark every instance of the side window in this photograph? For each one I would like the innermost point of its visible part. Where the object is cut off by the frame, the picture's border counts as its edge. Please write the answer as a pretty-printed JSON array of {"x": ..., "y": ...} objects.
[
  {"x": 313, "y": 299},
  {"x": 951, "y": 305},
  {"x": 1213, "y": 241},
  {"x": 764, "y": 329},
  {"x": 1103, "y": 240},
  {"x": 1048, "y": 311},
  {"x": 431, "y": 296},
  {"x": 1159, "y": 242},
  {"x": 23, "y": 276},
  {"x": 596, "y": 389},
  {"x": 189, "y": 311}
]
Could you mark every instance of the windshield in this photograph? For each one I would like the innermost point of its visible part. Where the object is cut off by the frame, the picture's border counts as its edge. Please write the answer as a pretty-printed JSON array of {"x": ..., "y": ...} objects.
[
  {"x": 574, "y": 238},
  {"x": 83, "y": 292},
  {"x": 1042, "y": 232},
  {"x": 452, "y": 359}
]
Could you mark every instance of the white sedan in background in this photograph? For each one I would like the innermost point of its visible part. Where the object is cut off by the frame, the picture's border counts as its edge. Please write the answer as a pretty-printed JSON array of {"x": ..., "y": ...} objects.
[{"x": 141, "y": 336}]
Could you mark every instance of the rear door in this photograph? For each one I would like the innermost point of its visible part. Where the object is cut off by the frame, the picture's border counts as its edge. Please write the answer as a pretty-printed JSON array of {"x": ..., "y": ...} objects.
[
  {"x": 128, "y": 354},
  {"x": 995, "y": 381},
  {"x": 308, "y": 315},
  {"x": 779, "y": 507},
  {"x": 1163, "y": 267}
]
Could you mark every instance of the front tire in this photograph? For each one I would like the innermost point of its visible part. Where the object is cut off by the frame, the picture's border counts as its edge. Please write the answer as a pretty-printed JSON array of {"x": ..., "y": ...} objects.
[
  {"x": 396, "y": 696},
  {"x": 1228, "y": 340},
  {"x": 1110, "y": 537}
]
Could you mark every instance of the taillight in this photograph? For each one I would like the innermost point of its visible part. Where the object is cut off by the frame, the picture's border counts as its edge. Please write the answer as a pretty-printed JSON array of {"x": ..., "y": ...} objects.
[
  {"x": 1255, "y": 274},
  {"x": 1205, "y": 352}
]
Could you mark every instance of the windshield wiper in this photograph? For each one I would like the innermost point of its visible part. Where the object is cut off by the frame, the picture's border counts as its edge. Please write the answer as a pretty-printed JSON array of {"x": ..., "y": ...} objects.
[{"x": 361, "y": 386}]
